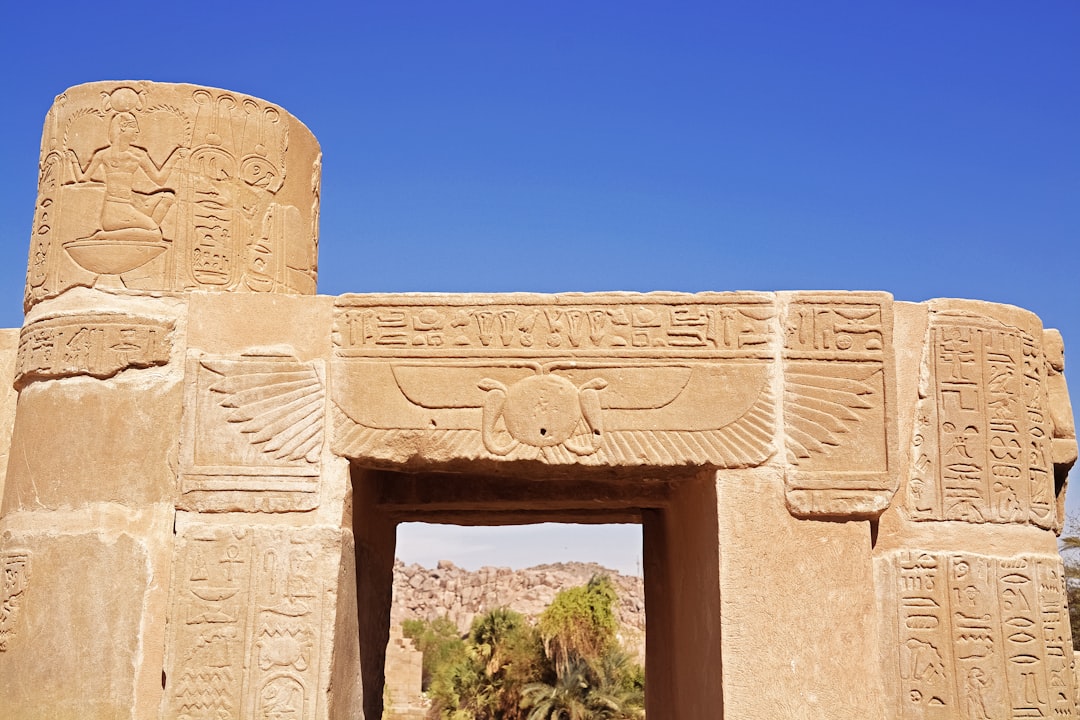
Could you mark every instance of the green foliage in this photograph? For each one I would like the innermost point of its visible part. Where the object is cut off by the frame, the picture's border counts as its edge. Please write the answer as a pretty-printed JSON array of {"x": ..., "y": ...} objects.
[
  {"x": 564, "y": 699},
  {"x": 569, "y": 667},
  {"x": 594, "y": 677},
  {"x": 610, "y": 688},
  {"x": 440, "y": 643},
  {"x": 479, "y": 677},
  {"x": 580, "y": 622},
  {"x": 507, "y": 646},
  {"x": 455, "y": 691}
]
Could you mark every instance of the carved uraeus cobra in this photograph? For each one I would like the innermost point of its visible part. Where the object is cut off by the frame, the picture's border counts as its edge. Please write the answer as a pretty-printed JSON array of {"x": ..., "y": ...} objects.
[{"x": 543, "y": 411}]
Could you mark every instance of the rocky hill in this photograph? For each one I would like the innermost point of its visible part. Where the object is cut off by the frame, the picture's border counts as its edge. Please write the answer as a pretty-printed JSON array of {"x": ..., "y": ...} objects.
[{"x": 461, "y": 594}]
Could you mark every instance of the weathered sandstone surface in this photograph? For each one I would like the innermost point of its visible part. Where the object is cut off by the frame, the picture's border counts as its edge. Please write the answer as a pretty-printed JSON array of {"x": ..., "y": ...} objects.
[{"x": 849, "y": 504}]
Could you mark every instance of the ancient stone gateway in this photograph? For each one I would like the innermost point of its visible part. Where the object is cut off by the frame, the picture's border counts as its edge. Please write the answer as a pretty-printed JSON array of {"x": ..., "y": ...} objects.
[{"x": 849, "y": 504}]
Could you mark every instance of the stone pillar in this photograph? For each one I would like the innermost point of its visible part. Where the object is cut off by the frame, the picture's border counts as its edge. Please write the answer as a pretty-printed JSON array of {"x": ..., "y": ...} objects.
[
  {"x": 973, "y": 621},
  {"x": 9, "y": 346},
  {"x": 152, "y": 478},
  {"x": 798, "y": 640},
  {"x": 263, "y": 615}
]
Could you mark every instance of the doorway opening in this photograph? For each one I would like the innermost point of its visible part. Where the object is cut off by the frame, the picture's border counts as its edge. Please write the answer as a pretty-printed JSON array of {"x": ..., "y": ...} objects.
[
  {"x": 677, "y": 513},
  {"x": 471, "y": 608}
]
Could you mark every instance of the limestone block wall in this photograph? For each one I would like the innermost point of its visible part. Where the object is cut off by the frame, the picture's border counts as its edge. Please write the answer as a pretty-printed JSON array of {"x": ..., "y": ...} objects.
[{"x": 849, "y": 504}]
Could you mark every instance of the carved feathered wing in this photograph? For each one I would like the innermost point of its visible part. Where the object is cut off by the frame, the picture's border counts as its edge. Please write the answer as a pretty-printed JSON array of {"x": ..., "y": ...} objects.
[
  {"x": 277, "y": 403},
  {"x": 823, "y": 404},
  {"x": 745, "y": 442}
]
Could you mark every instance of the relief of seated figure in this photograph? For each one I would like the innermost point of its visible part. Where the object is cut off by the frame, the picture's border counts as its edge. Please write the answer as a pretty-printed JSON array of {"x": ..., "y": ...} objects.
[{"x": 127, "y": 214}]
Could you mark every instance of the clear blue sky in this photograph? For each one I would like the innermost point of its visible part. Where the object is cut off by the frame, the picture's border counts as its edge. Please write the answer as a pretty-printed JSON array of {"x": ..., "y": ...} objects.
[{"x": 925, "y": 148}]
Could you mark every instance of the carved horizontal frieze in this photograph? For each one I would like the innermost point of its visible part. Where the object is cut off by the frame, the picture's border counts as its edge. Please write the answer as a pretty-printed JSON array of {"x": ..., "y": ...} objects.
[
  {"x": 662, "y": 379},
  {"x": 710, "y": 325},
  {"x": 97, "y": 345},
  {"x": 608, "y": 379},
  {"x": 560, "y": 412}
]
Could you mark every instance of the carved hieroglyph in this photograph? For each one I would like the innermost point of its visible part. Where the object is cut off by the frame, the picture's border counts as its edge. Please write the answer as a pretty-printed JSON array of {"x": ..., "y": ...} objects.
[
  {"x": 981, "y": 451},
  {"x": 14, "y": 578},
  {"x": 169, "y": 187},
  {"x": 97, "y": 345},
  {"x": 253, "y": 434},
  {"x": 1063, "y": 448},
  {"x": 981, "y": 637},
  {"x": 600, "y": 379},
  {"x": 246, "y": 622}
]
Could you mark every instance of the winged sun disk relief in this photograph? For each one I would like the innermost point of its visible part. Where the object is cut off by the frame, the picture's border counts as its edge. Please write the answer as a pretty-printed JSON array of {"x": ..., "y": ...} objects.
[
  {"x": 281, "y": 410},
  {"x": 542, "y": 411},
  {"x": 277, "y": 404},
  {"x": 720, "y": 415},
  {"x": 440, "y": 387}
]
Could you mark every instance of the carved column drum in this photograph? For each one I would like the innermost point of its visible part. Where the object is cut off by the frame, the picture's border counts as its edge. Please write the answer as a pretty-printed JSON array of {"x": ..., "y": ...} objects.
[{"x": 173, "y": 187}]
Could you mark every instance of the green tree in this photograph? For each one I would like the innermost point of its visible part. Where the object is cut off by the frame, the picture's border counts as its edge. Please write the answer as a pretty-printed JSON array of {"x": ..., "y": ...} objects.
[
  {"x": 580, "y": 622},
  {"x": 440, "y": 643},
  {"x": 569, "y": 667},
  {"x": 611, "y": 689},
  {"x": 618, "y": 689},
  {"x": 594, "y": 677},
  {"x": 501, "y": 654},
  {"x": 563, "y": 699}
]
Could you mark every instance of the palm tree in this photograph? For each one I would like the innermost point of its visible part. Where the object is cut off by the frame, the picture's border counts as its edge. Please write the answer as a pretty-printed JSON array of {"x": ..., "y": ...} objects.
[
  {"x": 491, "y": 635},
  {"x": 617, "y": 693},
  {"x": 565, "y": 699},
  {"x": 506, "y": 653},
  {"x": 604, "y": 690}
]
